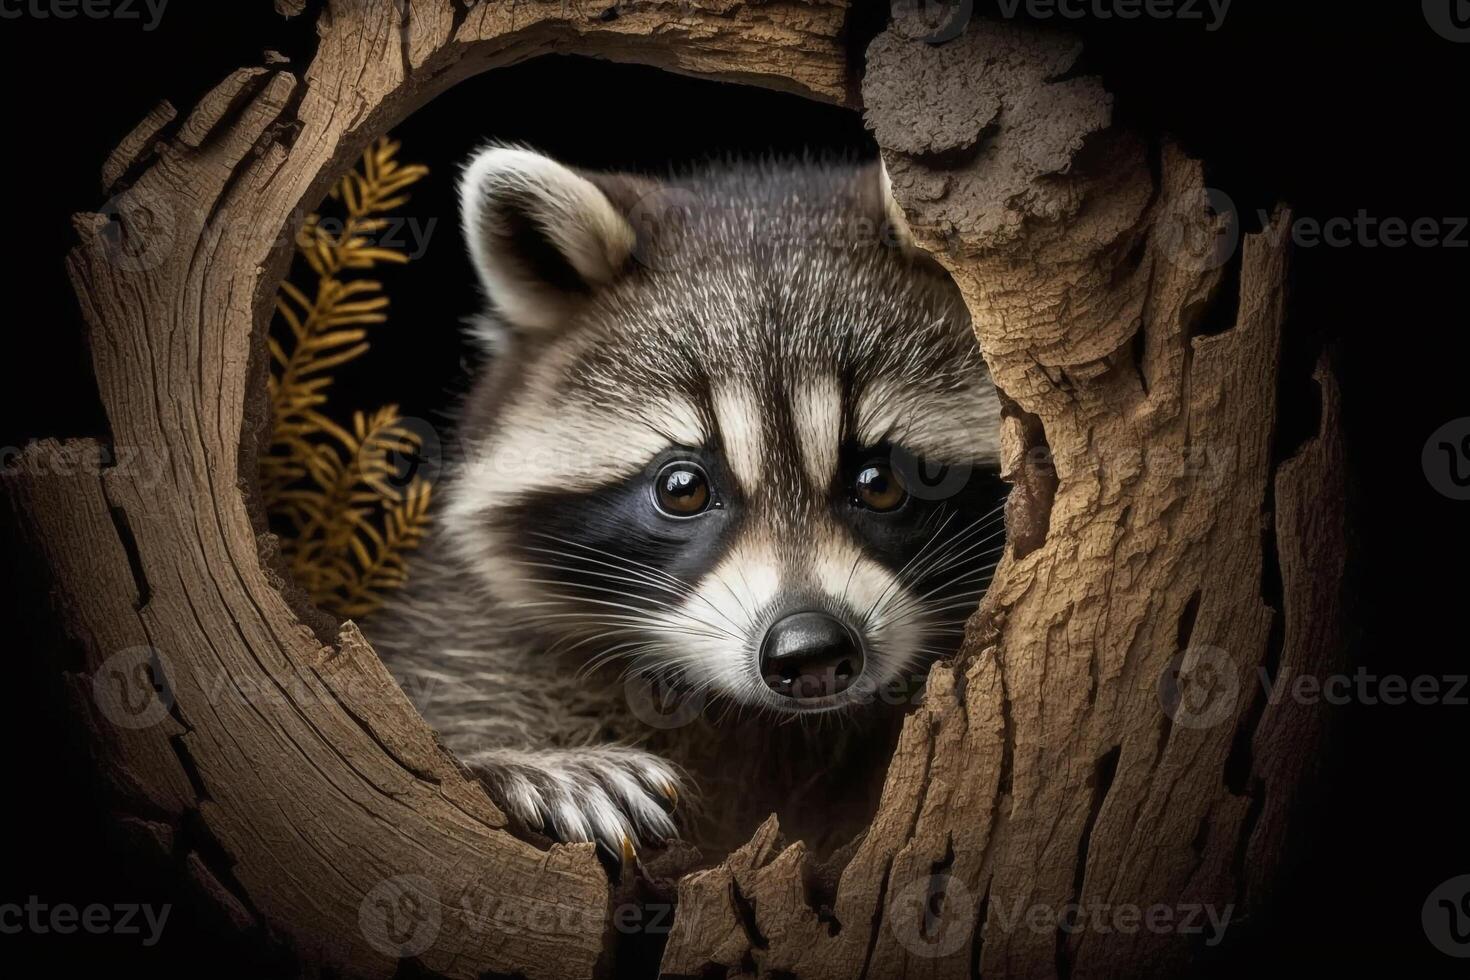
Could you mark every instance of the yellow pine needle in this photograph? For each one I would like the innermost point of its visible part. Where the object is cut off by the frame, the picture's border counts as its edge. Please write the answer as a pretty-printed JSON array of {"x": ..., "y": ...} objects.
[{"x": 334, "y": 485}]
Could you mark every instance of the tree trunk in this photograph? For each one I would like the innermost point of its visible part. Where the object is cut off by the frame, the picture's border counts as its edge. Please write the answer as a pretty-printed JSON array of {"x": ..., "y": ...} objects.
[{"x": 1102, "y": 739}]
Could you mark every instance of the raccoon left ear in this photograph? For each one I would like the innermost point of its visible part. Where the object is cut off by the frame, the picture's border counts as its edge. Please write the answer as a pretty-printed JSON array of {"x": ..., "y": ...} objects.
[{"x": 541, "y": 236}]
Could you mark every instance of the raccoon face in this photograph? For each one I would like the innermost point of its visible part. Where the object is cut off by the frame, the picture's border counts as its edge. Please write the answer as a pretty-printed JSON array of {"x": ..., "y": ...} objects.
[{"x": 735, "y": 434}]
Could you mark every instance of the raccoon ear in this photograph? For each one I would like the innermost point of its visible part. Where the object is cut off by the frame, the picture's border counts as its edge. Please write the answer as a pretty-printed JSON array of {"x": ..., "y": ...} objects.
[
  {"x": 893, "y": 211},
  {"x": 541, "y": 236}
]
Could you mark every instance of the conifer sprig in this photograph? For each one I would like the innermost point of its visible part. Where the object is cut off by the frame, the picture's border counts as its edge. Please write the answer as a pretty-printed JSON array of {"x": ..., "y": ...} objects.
[{"x": 331, "y": 488}]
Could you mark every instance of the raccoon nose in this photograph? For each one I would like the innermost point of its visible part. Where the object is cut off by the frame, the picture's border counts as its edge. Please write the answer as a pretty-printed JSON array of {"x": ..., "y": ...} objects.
[{"x": 810, "y": 655}]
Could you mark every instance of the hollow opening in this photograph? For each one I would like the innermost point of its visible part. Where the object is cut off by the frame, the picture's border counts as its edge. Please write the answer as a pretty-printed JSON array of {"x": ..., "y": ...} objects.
[{"x": 581, "y": 452}]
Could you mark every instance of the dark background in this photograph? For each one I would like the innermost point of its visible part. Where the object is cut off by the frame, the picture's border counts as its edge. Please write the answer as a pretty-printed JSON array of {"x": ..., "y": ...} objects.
[{"x": 1333, "y": 108}]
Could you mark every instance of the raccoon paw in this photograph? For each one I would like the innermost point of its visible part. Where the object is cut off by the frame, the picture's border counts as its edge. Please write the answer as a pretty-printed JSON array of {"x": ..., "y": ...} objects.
[{"x": 613, "y": 795}]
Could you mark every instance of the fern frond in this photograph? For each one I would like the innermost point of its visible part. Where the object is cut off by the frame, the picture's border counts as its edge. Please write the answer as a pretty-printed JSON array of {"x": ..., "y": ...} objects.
[
  {"x": 335, "y": 486},
  {"x": 379, "y": 552}
]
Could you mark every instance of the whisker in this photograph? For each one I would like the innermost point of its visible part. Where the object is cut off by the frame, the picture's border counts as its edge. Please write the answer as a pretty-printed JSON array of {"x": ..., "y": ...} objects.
[
  {"x": 608, "y": 554},
  {"x": 899, "y": 578},
  {"x": 625, "y": 577},
  {"x": 915, "y": 569},
  {"x": 649, "y": 571}
]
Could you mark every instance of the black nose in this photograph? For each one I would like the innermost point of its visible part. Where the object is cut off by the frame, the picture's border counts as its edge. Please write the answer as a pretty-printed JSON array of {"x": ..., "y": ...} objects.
[{"x": 810, "y": 655}]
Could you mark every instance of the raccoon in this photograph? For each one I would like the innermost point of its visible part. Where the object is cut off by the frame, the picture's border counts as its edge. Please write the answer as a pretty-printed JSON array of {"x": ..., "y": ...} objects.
[{"x": 730, "y": 484}]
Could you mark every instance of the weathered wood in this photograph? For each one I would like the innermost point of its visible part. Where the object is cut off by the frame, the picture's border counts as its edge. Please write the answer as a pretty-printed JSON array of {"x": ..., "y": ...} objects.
[
  {"x": 347, "y": 832},
  {"x": 1042, "y": 768},
  {"x": 135, "y": 144}
]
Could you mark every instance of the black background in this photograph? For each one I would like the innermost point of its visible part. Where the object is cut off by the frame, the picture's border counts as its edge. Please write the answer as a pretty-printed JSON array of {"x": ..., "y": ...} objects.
[{"x": 1331, "y": 107}]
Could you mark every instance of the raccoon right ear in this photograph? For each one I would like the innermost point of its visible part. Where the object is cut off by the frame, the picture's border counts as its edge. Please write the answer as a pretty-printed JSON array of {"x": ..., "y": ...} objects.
[{"x": 541, "y": 236}]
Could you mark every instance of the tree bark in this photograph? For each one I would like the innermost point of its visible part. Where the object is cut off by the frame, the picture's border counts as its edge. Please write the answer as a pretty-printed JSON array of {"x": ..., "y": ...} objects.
[{"x": 1160, "y": 544}]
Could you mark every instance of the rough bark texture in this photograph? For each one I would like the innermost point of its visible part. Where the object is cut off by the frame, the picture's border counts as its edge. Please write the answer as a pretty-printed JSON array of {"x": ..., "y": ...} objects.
[
  {"x": 305, "y": 799},
  {"x": 318, "y": 806},
  {"x": 1159, "y": 557}
]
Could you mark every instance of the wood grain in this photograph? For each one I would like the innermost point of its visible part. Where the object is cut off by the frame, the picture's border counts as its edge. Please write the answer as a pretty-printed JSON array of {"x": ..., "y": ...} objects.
[{"x": 1155, "y": 522}]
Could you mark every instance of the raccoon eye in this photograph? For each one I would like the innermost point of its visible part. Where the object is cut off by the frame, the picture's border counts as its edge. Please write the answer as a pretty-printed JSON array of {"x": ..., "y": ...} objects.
[
  {"x": 878, "y": 488},
  {"x": 681, "y": 489}
]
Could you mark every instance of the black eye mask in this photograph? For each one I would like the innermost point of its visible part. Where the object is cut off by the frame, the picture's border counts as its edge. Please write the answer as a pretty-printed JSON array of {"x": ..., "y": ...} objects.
[
  {"x": 617, "y": 546},
  {"x": 940, "y": 510},
  {"x": 616, "y": 538}
]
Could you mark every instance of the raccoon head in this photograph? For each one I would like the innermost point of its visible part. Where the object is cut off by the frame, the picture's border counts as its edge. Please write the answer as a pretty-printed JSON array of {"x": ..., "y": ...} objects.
[{"x": 735, "y": 432}]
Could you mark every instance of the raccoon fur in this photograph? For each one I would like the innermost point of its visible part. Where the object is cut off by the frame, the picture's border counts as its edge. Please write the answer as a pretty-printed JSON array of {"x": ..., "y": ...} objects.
[{"x": 729, "y": 486}]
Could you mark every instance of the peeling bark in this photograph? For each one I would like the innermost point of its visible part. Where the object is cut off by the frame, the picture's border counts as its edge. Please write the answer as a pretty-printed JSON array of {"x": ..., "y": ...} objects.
[
  {"x": 1041, "y": 769},
  {"x": 321, "y": 792}
]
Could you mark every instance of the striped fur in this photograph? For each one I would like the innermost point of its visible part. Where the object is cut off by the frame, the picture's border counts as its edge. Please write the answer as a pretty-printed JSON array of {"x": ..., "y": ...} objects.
[{"x": 769, "y": 322}]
